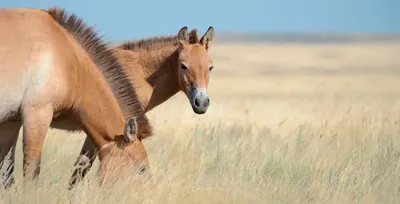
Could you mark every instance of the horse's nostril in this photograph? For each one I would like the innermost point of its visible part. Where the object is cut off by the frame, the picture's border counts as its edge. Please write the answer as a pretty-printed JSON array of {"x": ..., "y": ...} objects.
[
  {"x": 207, "y": 102},
  {"x": 196, "y": 102}
]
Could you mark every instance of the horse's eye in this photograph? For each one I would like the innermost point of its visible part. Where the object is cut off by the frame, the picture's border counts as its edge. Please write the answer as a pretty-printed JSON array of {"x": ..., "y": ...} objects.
[
  {"x": 183, "y": 67},
  {"x": 212, "y": 67}
]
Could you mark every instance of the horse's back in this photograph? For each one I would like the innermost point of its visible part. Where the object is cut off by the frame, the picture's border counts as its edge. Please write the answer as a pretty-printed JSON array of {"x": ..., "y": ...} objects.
[{"x": 31, "y": 60}]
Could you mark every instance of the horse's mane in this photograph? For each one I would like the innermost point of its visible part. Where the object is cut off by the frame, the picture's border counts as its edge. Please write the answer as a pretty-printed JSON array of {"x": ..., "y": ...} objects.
[
  {"x": 157, "y": 42},
  {"x": 107, "y": 63}
]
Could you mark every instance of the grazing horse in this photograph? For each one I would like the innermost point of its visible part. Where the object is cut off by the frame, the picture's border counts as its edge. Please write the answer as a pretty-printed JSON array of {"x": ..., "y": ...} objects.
[
  {"x": 158, "y": 68},
  {"x": 57, "y": 72}
]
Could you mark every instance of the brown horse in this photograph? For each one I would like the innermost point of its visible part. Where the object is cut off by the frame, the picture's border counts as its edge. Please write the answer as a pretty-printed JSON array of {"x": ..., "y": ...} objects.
[
  {"x": 56, "y": 71},
  {"x": 158, "y": 68}
]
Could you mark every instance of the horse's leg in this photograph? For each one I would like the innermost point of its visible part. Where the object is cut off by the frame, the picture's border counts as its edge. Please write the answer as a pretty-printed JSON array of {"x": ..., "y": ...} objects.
[
  {"x": 8, "y": 139},
  {"x": 36, "y": 121},
  {"x": 84, "y": 162}
]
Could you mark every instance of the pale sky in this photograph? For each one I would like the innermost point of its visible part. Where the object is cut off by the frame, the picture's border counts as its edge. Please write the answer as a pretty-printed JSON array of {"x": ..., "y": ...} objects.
[{"x": 125, "y": 19}]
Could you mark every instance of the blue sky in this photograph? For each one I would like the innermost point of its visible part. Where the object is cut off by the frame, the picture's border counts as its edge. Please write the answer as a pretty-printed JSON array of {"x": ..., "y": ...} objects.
[{"x": 125, "y": 19}]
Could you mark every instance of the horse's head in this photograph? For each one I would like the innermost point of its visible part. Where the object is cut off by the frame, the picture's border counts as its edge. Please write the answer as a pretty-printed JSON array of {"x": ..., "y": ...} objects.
[
  {"x": 124, "y": 153},
  {"x": 194, "y": 68}
]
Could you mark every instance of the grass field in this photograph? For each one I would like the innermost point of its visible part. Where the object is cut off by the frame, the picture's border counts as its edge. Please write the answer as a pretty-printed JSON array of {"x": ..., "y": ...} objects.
[{"x": 288, "y": 123}]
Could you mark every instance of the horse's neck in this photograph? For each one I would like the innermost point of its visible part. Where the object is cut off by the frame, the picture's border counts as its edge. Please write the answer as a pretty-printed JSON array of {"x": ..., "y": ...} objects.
[
  {"x": 92, "y": 113},
  {"x": 164, "y": 81},
  {"x": 153, "y": 74}
]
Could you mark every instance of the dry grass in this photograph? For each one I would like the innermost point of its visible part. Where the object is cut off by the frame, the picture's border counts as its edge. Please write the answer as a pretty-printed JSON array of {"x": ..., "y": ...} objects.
[{"x": 287, "y": 124}]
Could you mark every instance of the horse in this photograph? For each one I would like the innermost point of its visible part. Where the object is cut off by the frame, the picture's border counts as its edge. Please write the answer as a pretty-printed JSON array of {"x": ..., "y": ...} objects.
[
  {"x": 158, "y": 68},
  {"x": 57, "y": 72}
]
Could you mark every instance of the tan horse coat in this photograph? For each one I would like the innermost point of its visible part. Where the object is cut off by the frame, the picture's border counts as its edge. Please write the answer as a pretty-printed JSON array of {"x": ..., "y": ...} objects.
[
  {"x": 158, "y": 68},
  {"x": 56, "y": 71}
]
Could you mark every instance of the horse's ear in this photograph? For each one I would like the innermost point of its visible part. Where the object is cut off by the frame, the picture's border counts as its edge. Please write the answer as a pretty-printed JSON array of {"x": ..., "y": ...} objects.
[
  {"x": 183, "y": 36},
  {"x": 130, "y": 131},
  {"x": 207, "y": 38}
]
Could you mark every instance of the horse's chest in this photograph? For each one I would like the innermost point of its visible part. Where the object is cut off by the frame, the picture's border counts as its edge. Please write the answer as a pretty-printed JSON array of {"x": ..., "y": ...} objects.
[{"x": 65, "y": 123}]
